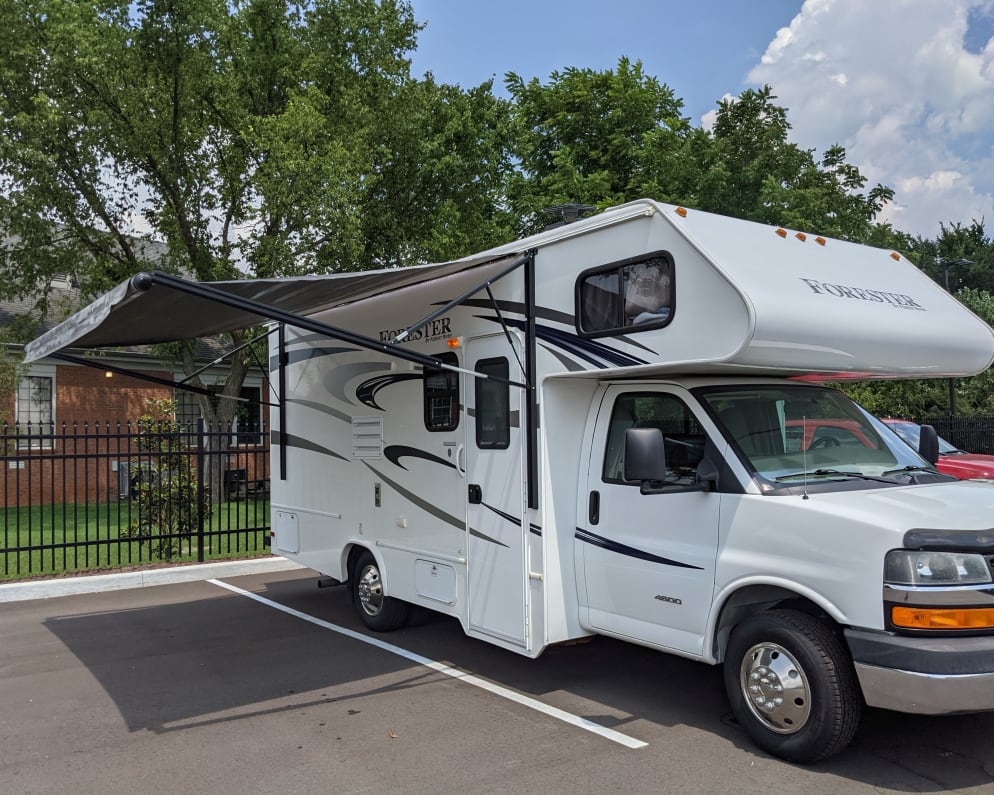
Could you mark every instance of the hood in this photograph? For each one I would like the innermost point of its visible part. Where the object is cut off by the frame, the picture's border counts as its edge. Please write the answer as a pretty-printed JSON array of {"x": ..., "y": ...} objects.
[
  {"x": 960, "y": 505},
  {"x": 967, "y": 465}
]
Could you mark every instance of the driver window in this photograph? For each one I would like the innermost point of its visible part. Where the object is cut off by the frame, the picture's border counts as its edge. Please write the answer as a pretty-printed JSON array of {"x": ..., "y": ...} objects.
[{"x": 683, "y": 437}]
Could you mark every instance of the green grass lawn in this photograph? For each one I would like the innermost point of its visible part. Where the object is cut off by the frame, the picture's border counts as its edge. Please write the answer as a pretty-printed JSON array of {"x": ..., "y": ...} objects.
[{"x": 57, "y": 539}]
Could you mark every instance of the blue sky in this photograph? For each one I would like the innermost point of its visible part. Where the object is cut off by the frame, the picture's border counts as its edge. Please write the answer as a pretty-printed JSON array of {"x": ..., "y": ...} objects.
[{"x": 907, "y": 86}]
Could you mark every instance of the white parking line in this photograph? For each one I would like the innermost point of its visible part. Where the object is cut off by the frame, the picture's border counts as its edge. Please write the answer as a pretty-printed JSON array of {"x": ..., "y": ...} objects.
[{"x": 455, "y": 673}]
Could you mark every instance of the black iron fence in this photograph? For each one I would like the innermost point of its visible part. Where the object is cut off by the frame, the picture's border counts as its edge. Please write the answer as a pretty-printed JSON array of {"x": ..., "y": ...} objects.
[
  {"x": 101, "y": 496},
  {"x": 973, "y": 434}
]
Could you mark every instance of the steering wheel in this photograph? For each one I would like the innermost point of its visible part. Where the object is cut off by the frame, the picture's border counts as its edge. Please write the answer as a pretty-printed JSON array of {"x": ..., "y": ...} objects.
[{"x": 824, "y": 441}]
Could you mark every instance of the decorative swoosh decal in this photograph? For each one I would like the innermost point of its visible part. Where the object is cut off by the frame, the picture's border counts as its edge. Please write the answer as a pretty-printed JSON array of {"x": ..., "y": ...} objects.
[
  {"x": 322, "y": 408},
  {"x": 304, "y": 354},
  {"x": 366, "y": 391},
  {"x": 513, "y": 519},
  {"x": 277, "y": 438},
  {"x": 432, "y": 509},
  {"x": 589, "y": 350},
  {"x": 336, "y": 379},
  {"x": 632, "y": 552},
  {"x": 395, "y": 452}
]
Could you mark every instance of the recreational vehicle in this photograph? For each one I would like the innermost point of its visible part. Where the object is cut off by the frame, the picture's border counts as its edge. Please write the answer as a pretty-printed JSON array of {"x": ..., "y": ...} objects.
[{"x": 621, "y": 426}]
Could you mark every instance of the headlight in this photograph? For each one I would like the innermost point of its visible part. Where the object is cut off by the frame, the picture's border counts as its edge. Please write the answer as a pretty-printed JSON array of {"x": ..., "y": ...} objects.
[{"x": 910, "y": 567}]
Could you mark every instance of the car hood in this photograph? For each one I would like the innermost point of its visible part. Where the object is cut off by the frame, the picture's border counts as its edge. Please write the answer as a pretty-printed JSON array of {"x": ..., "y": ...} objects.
[
  {"x": 955, "y": 505},
  {"x": 967, "y": 465}
]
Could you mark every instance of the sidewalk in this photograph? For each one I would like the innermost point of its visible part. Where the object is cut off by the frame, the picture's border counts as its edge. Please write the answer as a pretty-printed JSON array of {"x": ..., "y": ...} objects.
[{"x": 66, "y": 586}]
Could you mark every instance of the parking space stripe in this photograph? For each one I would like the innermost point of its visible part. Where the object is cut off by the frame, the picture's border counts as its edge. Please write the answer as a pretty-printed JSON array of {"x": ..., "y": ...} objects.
[{"x": 447, "y": 670}]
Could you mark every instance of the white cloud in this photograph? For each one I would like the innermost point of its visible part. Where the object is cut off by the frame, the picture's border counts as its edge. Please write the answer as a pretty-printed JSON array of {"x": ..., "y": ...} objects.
[{"x": 895, "y": 83}]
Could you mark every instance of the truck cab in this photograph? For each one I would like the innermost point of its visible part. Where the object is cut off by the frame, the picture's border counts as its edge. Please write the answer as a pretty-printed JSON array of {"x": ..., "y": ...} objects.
[{"x": 825, "y": 569}]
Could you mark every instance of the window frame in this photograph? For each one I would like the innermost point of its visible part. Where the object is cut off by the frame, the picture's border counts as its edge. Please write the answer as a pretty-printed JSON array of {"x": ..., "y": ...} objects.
[
  {"x": 618, "y": 266},
  {"x": 41, "y": 437},
  {"x": 448, "y": 357},
  {"x": 691, "y": 422},
  {"x": 479, "y": 385}
]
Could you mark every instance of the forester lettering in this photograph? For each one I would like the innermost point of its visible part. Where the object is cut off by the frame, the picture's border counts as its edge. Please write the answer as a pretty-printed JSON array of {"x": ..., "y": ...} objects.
[
  {"x": 432, "y": 330},
  {"x": 899, "y": 300}
]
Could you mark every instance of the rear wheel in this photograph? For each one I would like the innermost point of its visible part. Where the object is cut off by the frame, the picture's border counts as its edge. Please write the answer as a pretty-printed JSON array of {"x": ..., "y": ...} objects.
[
  {"x": 792, "y": 685},
  {"x": 378, "y": 612}
]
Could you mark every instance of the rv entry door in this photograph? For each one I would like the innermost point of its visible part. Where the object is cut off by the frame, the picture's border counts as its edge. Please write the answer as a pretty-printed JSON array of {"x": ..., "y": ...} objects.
[{"x": 496, "y": 512}]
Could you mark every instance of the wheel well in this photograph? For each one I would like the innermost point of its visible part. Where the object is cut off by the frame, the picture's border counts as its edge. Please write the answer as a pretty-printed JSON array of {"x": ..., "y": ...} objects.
[
  {"x": 757, "y": 599},
  {"x": 354, "y": 552}
]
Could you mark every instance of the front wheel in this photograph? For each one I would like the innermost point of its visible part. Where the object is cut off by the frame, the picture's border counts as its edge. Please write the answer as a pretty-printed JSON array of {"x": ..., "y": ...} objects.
[
  {"x": 378, "y": 612},
  {"x": 792, "y": 685}
]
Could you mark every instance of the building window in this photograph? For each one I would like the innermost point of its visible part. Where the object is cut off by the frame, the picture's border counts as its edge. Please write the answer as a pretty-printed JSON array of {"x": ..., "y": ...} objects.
[
  {"x": 632, "y": 295},
  {"x": 493, "y": 405},
  {"x": 441, "y": 395},
  {"x": 35, "y": 410}
]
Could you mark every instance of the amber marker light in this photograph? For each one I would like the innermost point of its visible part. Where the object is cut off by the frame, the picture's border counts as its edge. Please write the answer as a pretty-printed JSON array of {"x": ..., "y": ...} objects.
[
  {"x": 943, "y": 618},
  {"x": 782, "y": 232},
  {"x": 681, "y": 211},
  {"x": 895, "y": 256},
  {"x": 801, "y": 236},
  {"x": 453, "y": 342},
  {"x": 820, "y": 241}
]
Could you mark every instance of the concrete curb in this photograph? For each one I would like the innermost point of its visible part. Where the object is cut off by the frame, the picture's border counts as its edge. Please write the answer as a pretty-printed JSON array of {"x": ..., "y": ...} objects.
[{"x": 67, "y": 586}]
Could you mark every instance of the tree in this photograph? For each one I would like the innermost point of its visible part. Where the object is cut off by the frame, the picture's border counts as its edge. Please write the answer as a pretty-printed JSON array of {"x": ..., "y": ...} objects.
[
  {"x": 262, "y": 136},
  {"x": 748, "y": 168},
  {"x": 588, "y": 137}
]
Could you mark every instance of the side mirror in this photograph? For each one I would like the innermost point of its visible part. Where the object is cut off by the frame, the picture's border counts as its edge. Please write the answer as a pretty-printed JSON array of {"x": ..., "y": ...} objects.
[
  {"x": 645, "y": 458},
  {"x": 928, "y": 444}
]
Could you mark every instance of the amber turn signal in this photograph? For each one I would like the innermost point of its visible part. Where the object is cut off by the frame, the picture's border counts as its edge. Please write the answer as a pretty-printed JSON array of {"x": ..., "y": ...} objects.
[{"x": 943, "y": 618}]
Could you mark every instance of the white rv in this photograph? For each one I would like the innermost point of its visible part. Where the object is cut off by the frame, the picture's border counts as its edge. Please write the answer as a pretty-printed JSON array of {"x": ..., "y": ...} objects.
[{"x": 618, "y": 427}]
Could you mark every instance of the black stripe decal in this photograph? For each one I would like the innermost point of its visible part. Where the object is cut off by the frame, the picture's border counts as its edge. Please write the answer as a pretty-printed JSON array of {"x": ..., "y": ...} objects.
[
  {"x": 395, "y": 452},
  {"x": 532, "y": 528},
  {"x": 277, "y": 438},
  {"x": 632, "y": 552},
  {"x": 427, "y": 507}
]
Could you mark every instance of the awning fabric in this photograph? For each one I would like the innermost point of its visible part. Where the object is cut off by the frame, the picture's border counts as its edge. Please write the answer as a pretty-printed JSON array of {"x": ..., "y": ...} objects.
[{"x": 135, "y": 314}]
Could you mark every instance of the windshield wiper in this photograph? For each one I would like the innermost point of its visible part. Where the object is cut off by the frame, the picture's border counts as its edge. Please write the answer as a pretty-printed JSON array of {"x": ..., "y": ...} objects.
[
  {"x": 911, "y": 468},
  {"x": 818, "y": 473}
]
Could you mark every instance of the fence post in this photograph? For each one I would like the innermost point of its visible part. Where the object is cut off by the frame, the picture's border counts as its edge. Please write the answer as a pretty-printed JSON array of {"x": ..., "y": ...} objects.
[{"x": 201, "y": 518}]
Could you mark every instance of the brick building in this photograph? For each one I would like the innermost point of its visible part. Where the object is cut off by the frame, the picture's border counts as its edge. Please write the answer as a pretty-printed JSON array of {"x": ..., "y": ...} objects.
[{"x": 67, "y": 426}]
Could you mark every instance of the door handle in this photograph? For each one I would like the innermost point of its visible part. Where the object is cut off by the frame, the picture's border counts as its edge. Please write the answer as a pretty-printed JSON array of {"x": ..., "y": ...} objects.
[
  {"x": 475, "y": 494},
  {"x": 594, "y": 507}
]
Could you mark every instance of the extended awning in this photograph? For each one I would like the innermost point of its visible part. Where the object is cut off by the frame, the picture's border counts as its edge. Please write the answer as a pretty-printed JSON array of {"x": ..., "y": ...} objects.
[{"x": 150, "y": 308}]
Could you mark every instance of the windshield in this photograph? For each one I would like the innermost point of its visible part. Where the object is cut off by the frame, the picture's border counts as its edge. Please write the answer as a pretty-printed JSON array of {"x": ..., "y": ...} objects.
[
  {"x": 911, "y": 433},
  {"x": 788, "y": 433}
]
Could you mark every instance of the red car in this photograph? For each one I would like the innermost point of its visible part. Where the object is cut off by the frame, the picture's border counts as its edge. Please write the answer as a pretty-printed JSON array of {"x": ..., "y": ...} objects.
[{"x": 952, "y": 460}]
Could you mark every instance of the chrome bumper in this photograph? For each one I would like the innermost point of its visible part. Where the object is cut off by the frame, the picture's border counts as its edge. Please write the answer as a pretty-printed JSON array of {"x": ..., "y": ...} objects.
[{"x": 926, "y": 676}]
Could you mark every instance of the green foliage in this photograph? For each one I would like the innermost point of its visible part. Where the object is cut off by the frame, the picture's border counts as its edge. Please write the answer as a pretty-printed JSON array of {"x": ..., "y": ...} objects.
[
  {"x": 168, "y": 503},
  {"x": 598, "y": 138},
  {"x": 748, "y": 168}
]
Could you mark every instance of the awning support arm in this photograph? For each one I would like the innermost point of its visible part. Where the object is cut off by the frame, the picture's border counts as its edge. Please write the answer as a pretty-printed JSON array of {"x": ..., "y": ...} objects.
[
  {"x": 101, "y": 365},
  {"x": 456, "y": 301},
  {"x": 145, "y": 281},
  {"x": 232, "y": 352}
]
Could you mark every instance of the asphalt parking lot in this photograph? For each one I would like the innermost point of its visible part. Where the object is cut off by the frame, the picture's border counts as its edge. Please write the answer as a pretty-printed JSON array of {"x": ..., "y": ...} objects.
[{"x": 265, "y": 683}]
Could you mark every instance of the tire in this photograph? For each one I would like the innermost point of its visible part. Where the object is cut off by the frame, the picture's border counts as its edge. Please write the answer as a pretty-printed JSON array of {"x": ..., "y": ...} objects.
[
  {"x": 792, "y": 685},
  {"x": 378, "y": 612}
]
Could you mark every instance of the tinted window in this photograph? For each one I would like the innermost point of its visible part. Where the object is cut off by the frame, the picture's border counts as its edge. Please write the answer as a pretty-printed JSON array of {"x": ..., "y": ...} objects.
[
  {"x": 627, "y": 296},
  {"x": 493, "y": 401},
  {"x": 441, "y": 395},
  {"x": 683, "y": 437}
]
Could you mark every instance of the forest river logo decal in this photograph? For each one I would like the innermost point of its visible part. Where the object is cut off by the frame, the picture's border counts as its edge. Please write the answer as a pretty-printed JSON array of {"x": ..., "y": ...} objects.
[
  {"x": 437, "y": 329},
  {"x": 896, "y": 300}
]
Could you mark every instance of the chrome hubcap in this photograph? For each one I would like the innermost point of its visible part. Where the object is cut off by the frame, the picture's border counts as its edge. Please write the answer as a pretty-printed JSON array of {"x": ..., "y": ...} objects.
[
  {"x": 775, "y": 688},
  {"x": 370, "y": 590}
]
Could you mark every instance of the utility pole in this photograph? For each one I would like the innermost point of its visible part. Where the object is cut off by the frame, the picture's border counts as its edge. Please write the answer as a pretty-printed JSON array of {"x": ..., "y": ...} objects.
[{"x": 945, "y": 275}]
